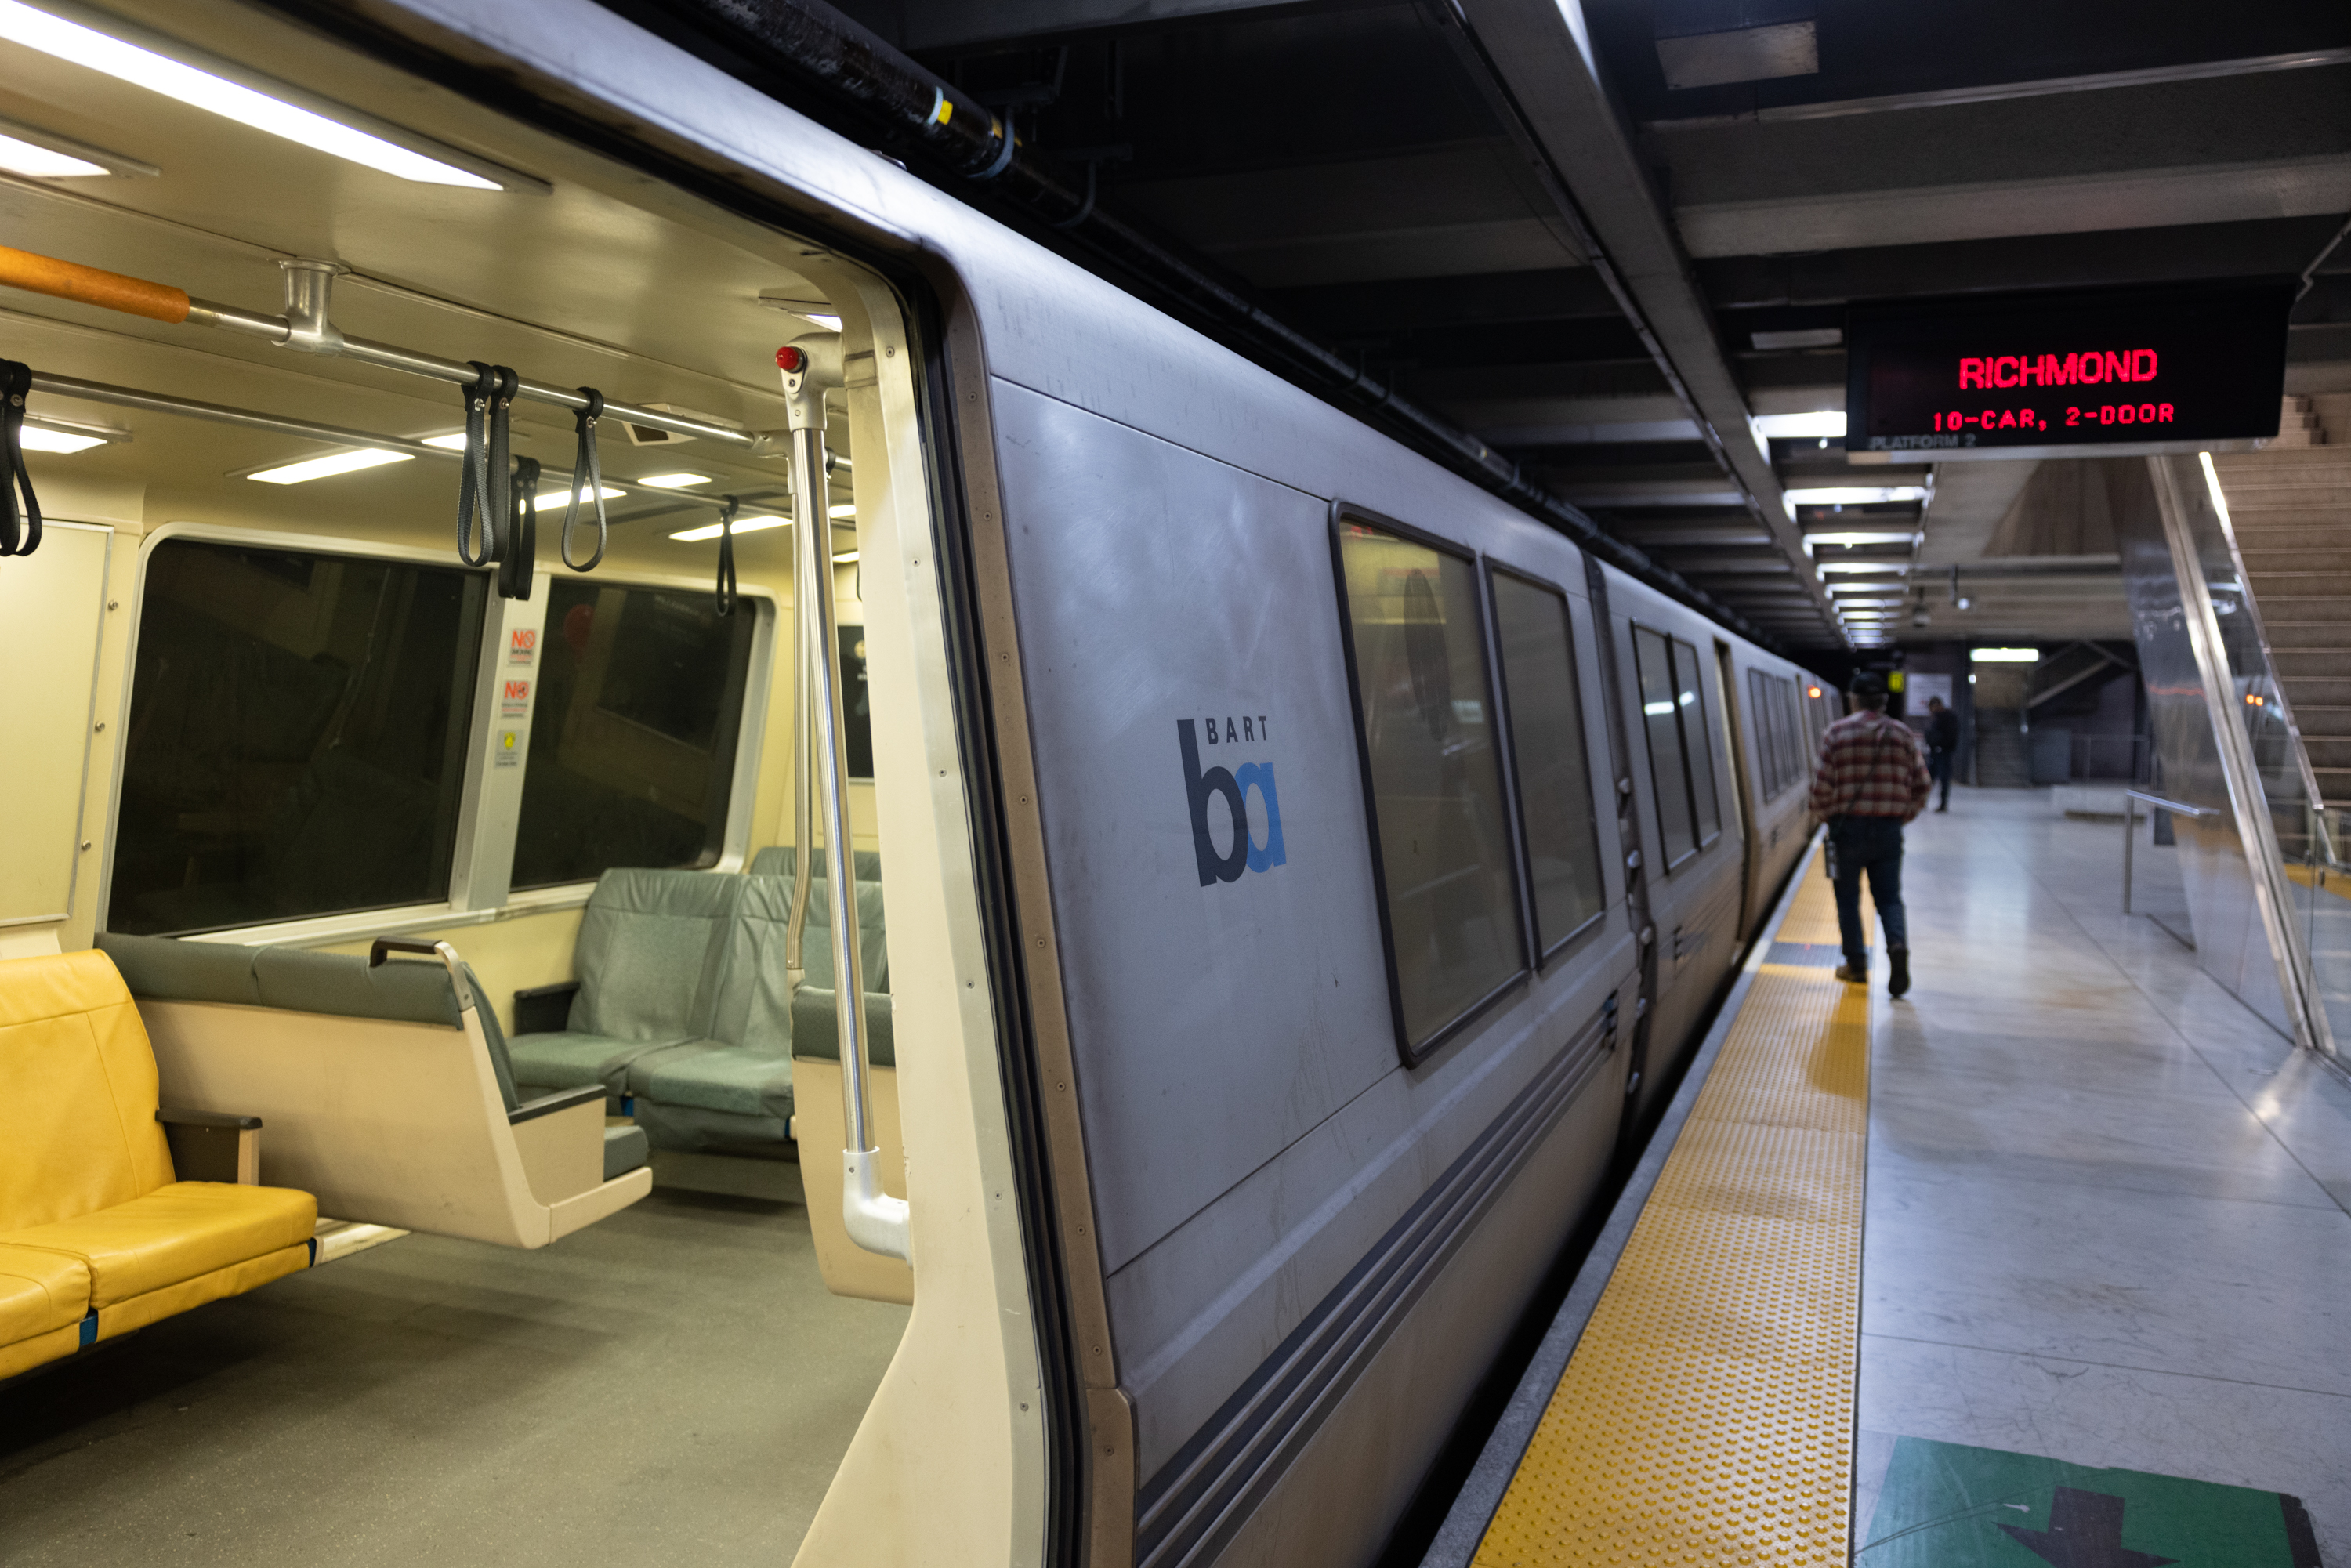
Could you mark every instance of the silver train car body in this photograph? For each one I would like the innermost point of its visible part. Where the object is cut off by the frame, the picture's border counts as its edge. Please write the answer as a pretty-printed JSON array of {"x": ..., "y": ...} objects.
[{"x": 1209, "y": 1254}]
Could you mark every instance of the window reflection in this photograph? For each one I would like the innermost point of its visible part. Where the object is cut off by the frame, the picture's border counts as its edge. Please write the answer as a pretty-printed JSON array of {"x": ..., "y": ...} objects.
[
  {"x": 1443, "y": 843},
  {"x": 1547, "y": 749}
]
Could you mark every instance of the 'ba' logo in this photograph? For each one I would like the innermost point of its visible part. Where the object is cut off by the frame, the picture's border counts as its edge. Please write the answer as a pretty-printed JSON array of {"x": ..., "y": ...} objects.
[{"x": 1235, "y": 784}]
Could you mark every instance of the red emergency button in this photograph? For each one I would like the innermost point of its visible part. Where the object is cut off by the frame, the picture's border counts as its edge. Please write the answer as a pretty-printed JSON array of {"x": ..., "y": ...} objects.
[{"x": 791, "y": 358}]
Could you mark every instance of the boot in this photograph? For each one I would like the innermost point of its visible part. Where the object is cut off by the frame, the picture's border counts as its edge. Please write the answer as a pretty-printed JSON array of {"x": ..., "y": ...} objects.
[
  {"x": 1855, "y": 970},
  {"x": 1898, "y": 982}
]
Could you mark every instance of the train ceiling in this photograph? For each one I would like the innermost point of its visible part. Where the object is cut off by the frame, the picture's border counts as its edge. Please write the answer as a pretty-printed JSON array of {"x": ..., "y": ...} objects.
[{"x": 1389, "y": 177}]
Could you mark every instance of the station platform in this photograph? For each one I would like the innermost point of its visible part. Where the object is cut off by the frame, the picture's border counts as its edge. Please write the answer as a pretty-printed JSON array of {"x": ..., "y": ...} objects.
[{"x": 2048, "y": 1262}]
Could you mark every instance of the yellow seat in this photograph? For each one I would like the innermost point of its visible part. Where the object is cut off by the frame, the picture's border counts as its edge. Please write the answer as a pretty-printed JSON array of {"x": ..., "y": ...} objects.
[
  {"x": 43, "y": 1298},
  {"x": 96, "y": 1237}
]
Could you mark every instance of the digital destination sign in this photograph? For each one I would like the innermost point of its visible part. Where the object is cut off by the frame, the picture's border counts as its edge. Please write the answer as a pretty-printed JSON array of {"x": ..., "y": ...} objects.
[{"x": 2124, "y": 366}]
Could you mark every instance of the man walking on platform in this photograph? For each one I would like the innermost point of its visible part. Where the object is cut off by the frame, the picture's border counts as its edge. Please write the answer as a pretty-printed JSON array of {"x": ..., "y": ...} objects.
[
  {"x": 1870, "y": 779},
  {"x": 1942, "y": 746}
]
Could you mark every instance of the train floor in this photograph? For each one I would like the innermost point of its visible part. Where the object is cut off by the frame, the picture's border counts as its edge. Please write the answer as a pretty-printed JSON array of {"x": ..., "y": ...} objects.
[
  {"x": 673, "y": 1385},
  {"x": 2095, "y": 1272}
]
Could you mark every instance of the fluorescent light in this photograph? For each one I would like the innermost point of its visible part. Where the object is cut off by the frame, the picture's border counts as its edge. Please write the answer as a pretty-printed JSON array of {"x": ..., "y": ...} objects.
[
  {"x": 2004, "y": 655},
  {"x": 36, "y": 439},
  {"x": 839, "y": 512},
  {"x": 555, "y": 500},
  {"x": 1829, "y": 566},
  {"x": 675, "y": 481},
  {"x": 200, "y": 89},
  {"x": 745, "y": 525},
  {"x": 825, "y": 319},
  {"x": 326, "y": 468},
  {"x": 1863, "y": 536},
  {"x": 40, "y": 163},
  {"x": 1657, "y": 710},
  {"x": 1856, "y": 494},
  {"x": 846, "y": 555},
  {"x": 452, "y": 441},
  {"x": 1827, "y": 422}
]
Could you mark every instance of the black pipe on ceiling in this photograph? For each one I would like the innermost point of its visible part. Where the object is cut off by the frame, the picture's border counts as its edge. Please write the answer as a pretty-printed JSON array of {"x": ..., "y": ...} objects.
[{"x": 810, "y": 43}]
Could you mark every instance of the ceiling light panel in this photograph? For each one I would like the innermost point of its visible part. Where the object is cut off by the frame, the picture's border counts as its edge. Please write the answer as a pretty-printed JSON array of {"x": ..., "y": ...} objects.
[
  {"x": 675, "y": 481},
  {"x": 552, "y": 500},
  {"x": 1856, "y": 494},
  {"x": 749, "y": 525},
  {"x": 40, "y": 164},
  {"x": 102, "y": 52},
  {"x": 36, "y": 439},
  {"x": 327, "y": 467}
]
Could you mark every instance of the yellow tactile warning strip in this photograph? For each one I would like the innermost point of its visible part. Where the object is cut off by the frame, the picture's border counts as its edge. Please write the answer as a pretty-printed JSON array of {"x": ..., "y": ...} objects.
[{"x": 1707, "y": 1415}]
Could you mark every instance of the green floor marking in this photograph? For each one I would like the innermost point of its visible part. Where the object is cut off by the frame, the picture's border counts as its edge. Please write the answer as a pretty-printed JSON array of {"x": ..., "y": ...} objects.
[{"x": 1948, "y": 1506}]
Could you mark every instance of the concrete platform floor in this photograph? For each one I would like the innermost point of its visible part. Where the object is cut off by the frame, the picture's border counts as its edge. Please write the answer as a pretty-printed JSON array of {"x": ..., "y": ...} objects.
[
  {"x": 2109, "y": 1211},
  {"x": 673, "y": 1384}
]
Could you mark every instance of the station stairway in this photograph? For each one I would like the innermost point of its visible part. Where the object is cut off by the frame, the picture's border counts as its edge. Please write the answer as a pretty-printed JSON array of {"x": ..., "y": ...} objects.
[
  {"x": 2003, "y": 752},
  {"x": 2290, "y": 508}
]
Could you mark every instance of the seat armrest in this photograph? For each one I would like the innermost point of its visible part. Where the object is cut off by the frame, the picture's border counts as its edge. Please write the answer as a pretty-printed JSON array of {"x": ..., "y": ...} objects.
[
  {"x": 213, "y": 1145},
  {"x": 544, "y": 1009},
  {"x": 561, "y": 1100}
]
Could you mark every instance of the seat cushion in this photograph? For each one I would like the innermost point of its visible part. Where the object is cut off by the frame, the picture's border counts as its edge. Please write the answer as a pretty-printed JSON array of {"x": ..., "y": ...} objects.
[
  {"x": 174, "y": 1234},
  {"x": 570, "y": 1060},
  {"x": 692, "y": 1129},
  {"x": 747, "y": 1080},
  {"x": 39, "y": 1291}
]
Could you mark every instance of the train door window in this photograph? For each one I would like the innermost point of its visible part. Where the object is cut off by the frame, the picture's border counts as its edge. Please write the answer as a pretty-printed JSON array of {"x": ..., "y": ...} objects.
[
  {"x": 633, "y": 741},
  {"x": 1689, "y": 701},
  {"x": 1791, "y": 740},
  {"x": 1766, "y": 740},
  {"x": 1441, "y": 843},
  {"x": 296, "y": 741},
  {"x": 1547, "y": 758},
  {"x": 1668, "y": 768}
]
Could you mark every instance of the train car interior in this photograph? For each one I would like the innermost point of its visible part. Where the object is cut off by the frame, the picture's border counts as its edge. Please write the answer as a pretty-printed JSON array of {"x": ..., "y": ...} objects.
[{"x": 448, "y": 875}]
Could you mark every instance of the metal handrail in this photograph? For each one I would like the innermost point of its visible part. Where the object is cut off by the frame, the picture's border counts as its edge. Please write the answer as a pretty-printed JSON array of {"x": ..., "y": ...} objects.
[
  {"x": 2131, "y": 799},
  {"x": 2172, "y": 806}
]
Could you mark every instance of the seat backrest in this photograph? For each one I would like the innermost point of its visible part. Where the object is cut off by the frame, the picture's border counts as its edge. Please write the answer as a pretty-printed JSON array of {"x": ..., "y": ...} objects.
[
  {"x": 755, "y": 990},
  {"x": 651, "y": 950},
  {"x": 77, "y": 1076},
  {"x": 816, "y": 1029},
  {"x": 174, "y": 969},
  {"x": 783, "y": 860}
]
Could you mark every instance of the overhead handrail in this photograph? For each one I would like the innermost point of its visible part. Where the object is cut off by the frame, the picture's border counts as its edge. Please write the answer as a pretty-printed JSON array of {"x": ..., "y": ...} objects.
[
  {"x": 586, "y": 468},
  {"x": 20, "y": 530},
  {"x": 875, "y": 1220},
  {"x": 304, "y": 328},
  {"x": 312, "y": 429}
]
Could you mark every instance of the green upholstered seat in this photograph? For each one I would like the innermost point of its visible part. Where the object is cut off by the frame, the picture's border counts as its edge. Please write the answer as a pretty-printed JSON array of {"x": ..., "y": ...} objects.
[
  {"x": 783, "y": 860},
  {"x": 651, "y": 949}
]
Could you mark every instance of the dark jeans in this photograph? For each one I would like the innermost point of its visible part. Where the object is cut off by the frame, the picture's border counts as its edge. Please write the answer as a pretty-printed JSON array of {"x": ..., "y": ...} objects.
[
  {"x": 1873, "y": 844},
  {"x": 1938, "y": 764}
]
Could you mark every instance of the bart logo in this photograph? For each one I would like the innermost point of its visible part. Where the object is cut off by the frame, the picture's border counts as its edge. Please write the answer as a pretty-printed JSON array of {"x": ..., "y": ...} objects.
[{"x": 1244, "y": 853}]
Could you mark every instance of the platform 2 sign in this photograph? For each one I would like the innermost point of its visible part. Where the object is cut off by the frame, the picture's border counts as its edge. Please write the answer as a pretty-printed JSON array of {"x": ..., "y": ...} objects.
[{"x": 2117, "y": 368}]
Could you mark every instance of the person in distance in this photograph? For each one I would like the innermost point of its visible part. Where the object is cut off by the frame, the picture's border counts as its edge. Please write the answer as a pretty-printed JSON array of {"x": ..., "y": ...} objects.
[
  {"x": 1870, "y": 779},
  {"x": 1942, "y": 746}
]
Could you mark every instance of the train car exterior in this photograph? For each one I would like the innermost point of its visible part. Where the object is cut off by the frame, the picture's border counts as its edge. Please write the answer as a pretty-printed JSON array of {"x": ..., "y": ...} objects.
[{"x": 1303, "y": 866}]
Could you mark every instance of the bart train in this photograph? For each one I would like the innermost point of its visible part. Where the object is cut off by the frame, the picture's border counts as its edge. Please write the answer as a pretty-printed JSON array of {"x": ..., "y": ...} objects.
[{"x": 1303, "y": 867}]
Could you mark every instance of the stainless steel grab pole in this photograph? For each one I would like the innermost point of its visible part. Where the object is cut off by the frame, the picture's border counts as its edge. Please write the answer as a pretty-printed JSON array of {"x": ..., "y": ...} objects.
[{"x": 875, "y": 1220}]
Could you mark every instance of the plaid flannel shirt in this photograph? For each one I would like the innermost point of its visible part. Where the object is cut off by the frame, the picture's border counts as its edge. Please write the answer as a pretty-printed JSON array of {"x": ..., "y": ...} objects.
[{"x": 1870, "y": 766}]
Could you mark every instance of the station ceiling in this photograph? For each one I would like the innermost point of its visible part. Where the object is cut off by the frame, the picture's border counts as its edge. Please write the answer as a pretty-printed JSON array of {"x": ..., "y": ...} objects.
[{"x": 1636, "y": 289}]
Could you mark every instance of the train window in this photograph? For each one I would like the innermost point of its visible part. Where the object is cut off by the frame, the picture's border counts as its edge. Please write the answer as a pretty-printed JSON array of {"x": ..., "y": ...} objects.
[
  {"x": 1548, "y": 756},
  {"x": 1767, "y": 738},
  {"x": 1441, "y": 843},
  {"x": 1697, "y": 740},
  {"x": 1668, "y": 768},
  {"x": 296, "y": 741},
  {"x": 633, "y": 742}
]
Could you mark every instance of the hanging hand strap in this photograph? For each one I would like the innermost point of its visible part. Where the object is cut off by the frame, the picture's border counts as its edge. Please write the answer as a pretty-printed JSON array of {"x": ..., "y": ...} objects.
[
  {"x": 726, "y": 555},
  {"x": 522, "y": 543},
  {"x": 586, "y": 469},
  {"x": 16, "y": 538},
  {"x": 473, "y": 480}
]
